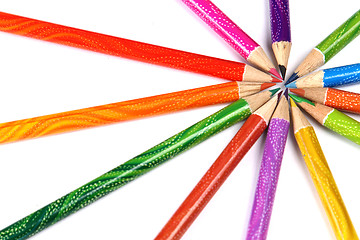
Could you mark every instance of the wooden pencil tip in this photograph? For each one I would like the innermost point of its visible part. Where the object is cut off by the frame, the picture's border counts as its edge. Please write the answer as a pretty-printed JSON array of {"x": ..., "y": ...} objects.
[
  {"x": 276, "y": 80},
  {"x": 300, "y": 99},
  {"x": 298, "y": 91},
  {"x": 292, "y": 103},
  {"x": 266, "y": 85},
  {"x": 274, "y": 72},
  {"x": 282, "y": 71}
]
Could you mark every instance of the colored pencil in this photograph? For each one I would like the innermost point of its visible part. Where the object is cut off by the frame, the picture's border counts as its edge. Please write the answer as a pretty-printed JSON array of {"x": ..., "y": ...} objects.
[
  {"x": 232, "y": 34},
  {"x": 127, "y": 110},
  {"x": 339, "y": 99},
  {"x": 269, "y": 172},
  {"x": 329, "y": 47},
  {"x": 332, "y": 77},
  {"x": 322, "y": 177},
  {"x": 217, "y": 173},
  {"x": 134, "y": 168},
  {"x": 331, "y": 118},
  {"x": 130, "y": 49},
  {"x": 280, "y": 32}
]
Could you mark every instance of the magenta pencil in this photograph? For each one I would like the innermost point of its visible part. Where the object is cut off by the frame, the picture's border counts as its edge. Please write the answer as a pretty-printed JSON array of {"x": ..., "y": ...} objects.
[
  {"x": 269, "y": 172},
  {"x": 232, "y": 34}
]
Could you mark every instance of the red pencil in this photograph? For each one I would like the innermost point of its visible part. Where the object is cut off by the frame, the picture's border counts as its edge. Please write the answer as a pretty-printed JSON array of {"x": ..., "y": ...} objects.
[{"x": 218, "y": 173}]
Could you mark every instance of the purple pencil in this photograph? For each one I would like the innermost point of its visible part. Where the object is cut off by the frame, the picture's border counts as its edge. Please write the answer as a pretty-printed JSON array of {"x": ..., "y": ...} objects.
[
  {"x": 269, "y": 172},
  {"x": 280, "y": 32}
]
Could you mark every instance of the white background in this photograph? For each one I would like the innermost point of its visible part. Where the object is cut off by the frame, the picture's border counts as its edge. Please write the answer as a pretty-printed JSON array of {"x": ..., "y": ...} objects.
[{"x": 39, "y": 78}]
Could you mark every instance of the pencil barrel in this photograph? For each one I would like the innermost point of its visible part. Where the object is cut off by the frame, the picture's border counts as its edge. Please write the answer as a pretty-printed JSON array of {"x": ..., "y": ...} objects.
[
  {"x": 280, "y": 20},
  {"x": 343, "y": 75},
  {"x": 268, "y": 177},
  {"x": 341, "y": 37},
  {"x": 126, "y": 172},
  {"x": 121, "y": 47},
  {"x": 325, "y": 184}
]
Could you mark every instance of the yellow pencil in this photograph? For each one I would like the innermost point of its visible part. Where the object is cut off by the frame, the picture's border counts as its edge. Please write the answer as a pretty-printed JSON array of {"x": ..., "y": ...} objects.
[{"x": 321, "y": 175}]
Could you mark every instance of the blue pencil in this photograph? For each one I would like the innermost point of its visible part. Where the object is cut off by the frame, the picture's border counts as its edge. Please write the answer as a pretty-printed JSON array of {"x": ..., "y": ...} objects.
[{"x": 331, "y": 77}]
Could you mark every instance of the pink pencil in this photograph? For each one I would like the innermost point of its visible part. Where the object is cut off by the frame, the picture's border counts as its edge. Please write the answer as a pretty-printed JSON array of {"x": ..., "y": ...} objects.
[{"x": 232, "y": 34}]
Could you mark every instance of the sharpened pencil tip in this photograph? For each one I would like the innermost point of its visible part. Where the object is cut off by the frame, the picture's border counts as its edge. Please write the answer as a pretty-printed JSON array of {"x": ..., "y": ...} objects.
[
  {"x": 300, "y": 92},
  {"x": 274, "y": 79},
  {"x": 279, "y": 95},
  {"x": 300, "y": 99},
  {"x": 282, "y": 71},
  {"x": 292, "y": 103},
  {"x": 266, "y": 85},
  {"x": 292, "y": 78},
  {"x": 274, "y": 72},
  {"x": 274, "y": 91},
  {"x": 286, "y": 94},
  {"x": 291, "y": 85}
]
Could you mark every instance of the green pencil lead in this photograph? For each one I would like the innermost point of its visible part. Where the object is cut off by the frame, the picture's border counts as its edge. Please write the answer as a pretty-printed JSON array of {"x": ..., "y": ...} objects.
[
  {"x": 274, "y": 91},
  {"x": 300, "y": 99}
]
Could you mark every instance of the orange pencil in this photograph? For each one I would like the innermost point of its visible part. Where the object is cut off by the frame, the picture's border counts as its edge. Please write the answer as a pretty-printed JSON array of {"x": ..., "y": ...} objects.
[
  {"x": 127, "y": 110},
  {"x": 339, "y": 99}
]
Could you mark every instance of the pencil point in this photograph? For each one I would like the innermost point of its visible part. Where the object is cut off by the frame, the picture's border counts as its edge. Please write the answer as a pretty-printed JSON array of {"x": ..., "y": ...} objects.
[
  {"x": 286, "y": 94},
  {"x": 274, "y": 91},
  {"x": 291, "y": 85},
  {"x": 282, "y": 71},
  {"x": 300, "y": 92},
  {"x": 274, "y": 79},
  {"x": 274, "y": 72},
  {"x": 293, "y": 77},
  {"x": 292, "y": 103},
  {"x": 266, "y": 85},
  {"x": 300, "y": 99}
]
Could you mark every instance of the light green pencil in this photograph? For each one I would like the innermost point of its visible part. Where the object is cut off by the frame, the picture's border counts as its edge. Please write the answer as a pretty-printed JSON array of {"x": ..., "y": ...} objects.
[{"x": 331, "y": 118}]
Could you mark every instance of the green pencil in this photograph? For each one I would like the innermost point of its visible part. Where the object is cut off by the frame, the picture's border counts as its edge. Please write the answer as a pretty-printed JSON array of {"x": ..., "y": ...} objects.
[
  {"x": 329, "y": 47},
  {"x": 331, "y": 118},
  {"x": 135, "y": 167}
]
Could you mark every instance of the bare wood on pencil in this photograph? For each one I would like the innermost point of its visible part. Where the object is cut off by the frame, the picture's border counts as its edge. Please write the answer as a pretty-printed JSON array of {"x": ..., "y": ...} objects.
[
  {"x": 312, "y": 80},
  {"x": 298, "y": 118},
  {"x": 282, "y": 52},
  {"x": 282, "y": 110},
  {"x": 259, "y": 58},
  {"x": 314, "y": 60},
  {"x": 252, "y": 74},
  {"x": 267, "y": 110},
  {"x": 319, "y": 111},
  {"x": 255, "y": 101},
  {"x": 246, "y": 89}
]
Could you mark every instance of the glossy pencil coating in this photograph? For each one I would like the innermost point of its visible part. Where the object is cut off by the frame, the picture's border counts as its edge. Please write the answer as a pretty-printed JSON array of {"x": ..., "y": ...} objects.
[
  {"x": 127, "y": 110},
  {"x": 322, "y": 177},
  {"x": 331, "y": 118},
  {"x": 231, "y": 33},
  {"x": 331, "y": 77},
  {"x": 217, "y": 173},
  {"x": 129, "y": 49},
  {"x": 329, "y": 47},
  {"x": 269, "y": 172},
  {"x": 280, "y": 32},
  {"x": 133, "y": 168},
  {"x": 335, "y": 98}
]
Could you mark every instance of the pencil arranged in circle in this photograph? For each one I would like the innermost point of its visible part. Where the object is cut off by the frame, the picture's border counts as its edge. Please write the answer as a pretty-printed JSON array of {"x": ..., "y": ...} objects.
[
  {"x": 134, "y": 168},
  {"x": 127, "y": 110},
  {"x": 329, "y": 47},
  {"x": 321, "y": 176},
  {"x": 130, "y": 49},
  {"x": 331, "y": 77},
  {"x": 280, "y": 32},
  {"x": 196, "y": 201},
  {"x": 232, "y": 34},
  {"x": 339, "y": 99},
  {"x": 331, "y": 118},
  {"x": 269, "y": 172}
]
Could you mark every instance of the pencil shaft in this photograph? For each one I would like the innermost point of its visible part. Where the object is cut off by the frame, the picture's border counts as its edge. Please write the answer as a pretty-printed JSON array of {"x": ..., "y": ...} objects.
[
  {"x": 223, "y": 26},
  {"x": 126, "y": 172},
  {"x": 343, "y": 100},
  {"x": 118, "y": 112},
  {"x": 343, "y": 75},
  {"x": 341, "y": 37},
  {"x": 121, "y": 47},
  {"x": 268, "y": 178},
  {"x": 325, "y": 184},
  {"x": 280, "y": 20},
  {"x": 343, "y": 125},
  {"x": 213, "y": 179}
]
